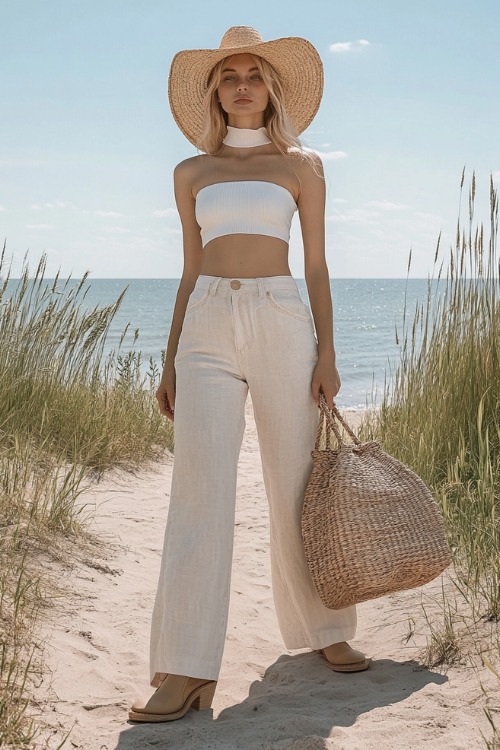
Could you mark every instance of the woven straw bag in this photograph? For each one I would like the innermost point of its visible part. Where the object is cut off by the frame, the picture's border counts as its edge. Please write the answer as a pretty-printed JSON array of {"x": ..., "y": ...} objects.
[{"x": 370, "y": 526}]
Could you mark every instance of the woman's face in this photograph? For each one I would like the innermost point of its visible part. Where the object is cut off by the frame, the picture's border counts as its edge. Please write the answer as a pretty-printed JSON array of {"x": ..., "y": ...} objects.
[{"x": 242, "y": 92}]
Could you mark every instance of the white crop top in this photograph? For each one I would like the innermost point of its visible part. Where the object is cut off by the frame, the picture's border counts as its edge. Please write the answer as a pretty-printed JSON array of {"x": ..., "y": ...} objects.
[{"x": 244, "y": 207}]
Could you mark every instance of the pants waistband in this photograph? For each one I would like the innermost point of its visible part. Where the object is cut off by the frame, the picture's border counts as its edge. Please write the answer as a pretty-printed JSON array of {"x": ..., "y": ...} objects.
[{"x": 260, "y": 285}]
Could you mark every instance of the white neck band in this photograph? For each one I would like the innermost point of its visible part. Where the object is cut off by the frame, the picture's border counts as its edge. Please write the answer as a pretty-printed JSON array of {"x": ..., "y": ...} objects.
[{"x": 246, "y": 137}]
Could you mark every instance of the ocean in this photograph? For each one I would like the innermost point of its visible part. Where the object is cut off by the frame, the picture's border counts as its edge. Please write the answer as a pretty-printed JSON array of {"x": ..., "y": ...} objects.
[{"x": 367, "y": 313}]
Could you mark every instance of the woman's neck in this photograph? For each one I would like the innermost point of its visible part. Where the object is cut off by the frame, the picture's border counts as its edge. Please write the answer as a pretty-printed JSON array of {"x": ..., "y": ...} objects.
[{"x": 246, "y": 137}]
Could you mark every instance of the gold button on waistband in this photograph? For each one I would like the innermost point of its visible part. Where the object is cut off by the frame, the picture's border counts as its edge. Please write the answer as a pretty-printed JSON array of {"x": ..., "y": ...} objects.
[{"x": 235, "y": 284}]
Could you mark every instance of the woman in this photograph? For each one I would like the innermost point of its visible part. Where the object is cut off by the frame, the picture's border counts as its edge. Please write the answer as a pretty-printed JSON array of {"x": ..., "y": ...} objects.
[{"x": 239, "y": 323}]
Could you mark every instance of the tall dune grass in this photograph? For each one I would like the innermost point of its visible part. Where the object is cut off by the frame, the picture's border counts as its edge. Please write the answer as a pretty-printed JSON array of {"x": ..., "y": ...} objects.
[
  {"x": 494, "y": 742},
  {"x": 67, "y": 413},
  {"x": 442, "y": 413}
]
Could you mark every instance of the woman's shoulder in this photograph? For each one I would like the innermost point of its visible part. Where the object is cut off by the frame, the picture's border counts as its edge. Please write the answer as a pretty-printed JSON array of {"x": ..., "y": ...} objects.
[
  {"x": 306, "y": 163},
  {"x": 190, "y": 166}
]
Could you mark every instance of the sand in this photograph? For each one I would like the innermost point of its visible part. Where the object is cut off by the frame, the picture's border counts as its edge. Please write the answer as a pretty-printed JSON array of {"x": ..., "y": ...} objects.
[{"x": 97, "y": 639}]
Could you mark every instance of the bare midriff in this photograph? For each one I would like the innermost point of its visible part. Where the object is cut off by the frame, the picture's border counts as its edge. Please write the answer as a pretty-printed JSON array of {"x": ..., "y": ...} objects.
[{"x": 245, "y": 256}]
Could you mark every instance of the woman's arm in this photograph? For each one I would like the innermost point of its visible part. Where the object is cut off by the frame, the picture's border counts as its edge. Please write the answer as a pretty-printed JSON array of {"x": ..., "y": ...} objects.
[
  {"x": 193, "y": 253},
  {"x": 311, "y": 206}
]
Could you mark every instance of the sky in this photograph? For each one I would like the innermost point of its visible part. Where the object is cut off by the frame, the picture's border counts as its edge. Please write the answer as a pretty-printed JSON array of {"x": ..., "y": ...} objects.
[{"x": 88, "y": 144}]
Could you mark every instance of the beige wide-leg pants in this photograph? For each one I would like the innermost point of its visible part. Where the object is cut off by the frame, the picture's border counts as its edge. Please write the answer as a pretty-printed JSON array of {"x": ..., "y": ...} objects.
[{"x": 238, "y": 334}]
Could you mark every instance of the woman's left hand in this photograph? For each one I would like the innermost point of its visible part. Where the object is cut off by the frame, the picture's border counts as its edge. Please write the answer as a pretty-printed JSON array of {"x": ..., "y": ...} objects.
[{"x": 327, "y": 379}]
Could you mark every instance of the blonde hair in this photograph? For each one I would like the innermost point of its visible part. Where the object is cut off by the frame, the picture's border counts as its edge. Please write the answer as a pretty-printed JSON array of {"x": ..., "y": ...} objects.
[{"x": 276, "y": 120}]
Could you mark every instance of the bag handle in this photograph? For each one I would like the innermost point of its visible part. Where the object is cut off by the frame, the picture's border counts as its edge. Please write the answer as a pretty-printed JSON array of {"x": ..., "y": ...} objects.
[{"x": 328, "y": 420}]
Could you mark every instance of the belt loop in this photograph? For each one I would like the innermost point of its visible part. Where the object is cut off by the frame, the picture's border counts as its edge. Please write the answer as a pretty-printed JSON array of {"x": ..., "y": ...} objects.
[
  {"x": 214, "y": 284},
  {"x": 260, "y": 287}
]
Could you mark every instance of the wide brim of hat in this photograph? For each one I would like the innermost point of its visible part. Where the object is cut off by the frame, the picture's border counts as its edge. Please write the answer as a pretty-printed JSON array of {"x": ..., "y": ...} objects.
[{"x": 295, "y": 59}]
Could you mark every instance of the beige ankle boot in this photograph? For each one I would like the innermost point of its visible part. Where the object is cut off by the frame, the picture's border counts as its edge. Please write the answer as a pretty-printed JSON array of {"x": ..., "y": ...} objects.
[{"x": 173, "y": 699}]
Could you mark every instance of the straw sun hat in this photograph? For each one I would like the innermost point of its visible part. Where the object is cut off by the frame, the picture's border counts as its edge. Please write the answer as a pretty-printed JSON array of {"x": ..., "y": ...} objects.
[{"x": 295, "y": 59}]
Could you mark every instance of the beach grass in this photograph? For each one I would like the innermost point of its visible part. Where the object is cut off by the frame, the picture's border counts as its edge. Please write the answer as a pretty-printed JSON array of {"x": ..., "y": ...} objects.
[
  {"x": 68, "y": 412},
  {"x": 493, "y": 742},
  {"x": 441, "y": 412}
]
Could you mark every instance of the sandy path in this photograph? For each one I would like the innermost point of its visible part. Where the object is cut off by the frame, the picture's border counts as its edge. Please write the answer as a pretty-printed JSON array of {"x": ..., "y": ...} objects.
[{"x": 267, "y": 698}]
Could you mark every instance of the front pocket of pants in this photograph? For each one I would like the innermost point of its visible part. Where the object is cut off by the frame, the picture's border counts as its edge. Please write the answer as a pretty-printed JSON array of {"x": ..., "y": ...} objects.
[
  {"x": 197, "y": 299},
  {"x": 289, "y": 303}
]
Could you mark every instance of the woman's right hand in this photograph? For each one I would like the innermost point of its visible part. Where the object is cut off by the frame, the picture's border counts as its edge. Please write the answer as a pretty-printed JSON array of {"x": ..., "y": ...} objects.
[{"x": 165, "y": 395}]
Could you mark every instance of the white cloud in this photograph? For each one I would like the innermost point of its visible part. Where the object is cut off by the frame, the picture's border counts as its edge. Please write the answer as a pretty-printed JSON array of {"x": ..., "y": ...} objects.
[
  {"x": 39, "y": 226},
  {"x": 115, "y": 230},
  {"x": 496, "y": 176},
  {"x": 428, "y": 217},
  {"x": 356, "y": 216},
  {"x": 165, "y": 212},
  {"x": 331, "y": 155},
  {"x": 2, "y": 208},
  {"x": 108, "y": 213},
  {"x": 341, "y": 47},
  {"x": 339, "y": 200},
  {"x": 56, "y": 204}
]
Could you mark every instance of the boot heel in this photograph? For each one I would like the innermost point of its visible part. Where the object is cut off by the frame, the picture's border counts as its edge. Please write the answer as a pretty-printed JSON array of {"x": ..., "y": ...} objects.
[{"x": 205, "y": 698}]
